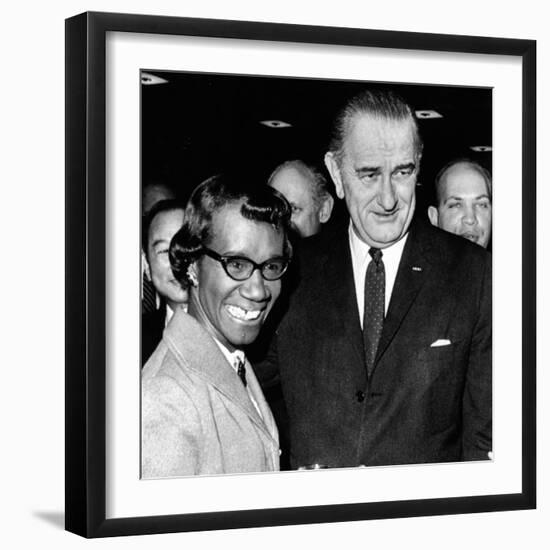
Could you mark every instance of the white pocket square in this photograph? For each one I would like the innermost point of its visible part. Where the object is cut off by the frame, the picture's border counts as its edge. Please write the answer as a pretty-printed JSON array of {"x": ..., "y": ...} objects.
[{"x": 439, "y": 343}]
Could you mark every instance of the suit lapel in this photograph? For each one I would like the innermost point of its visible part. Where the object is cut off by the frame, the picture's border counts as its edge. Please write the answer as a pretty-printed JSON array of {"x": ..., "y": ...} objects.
[
  {"x": 413, "y": 272},
  {"x": 195, "y": 348},
  {"x": 339, "y": 285}
]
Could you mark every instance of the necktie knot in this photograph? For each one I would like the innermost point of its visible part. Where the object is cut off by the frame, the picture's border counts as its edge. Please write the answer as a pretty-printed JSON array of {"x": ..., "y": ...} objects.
[{"x": 376, "y": 255}]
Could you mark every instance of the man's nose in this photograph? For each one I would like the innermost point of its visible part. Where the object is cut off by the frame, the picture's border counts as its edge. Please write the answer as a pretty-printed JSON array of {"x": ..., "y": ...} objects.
[
  {"x": 387, "y": 198},
  {"x": 254, "y": 288},
  {"x": 469, "y": 215}
]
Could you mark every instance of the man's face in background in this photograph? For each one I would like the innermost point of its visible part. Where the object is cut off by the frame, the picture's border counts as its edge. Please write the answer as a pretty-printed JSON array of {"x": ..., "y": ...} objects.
[
  {"x": 464, "y": 207},
  {"x": 298, "y": 187},
  {"x": 163, "y": 227}
]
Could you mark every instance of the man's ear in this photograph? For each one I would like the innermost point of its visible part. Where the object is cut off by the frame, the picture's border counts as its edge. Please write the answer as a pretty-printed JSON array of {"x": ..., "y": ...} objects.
[
  {"x": 326, "y": 209},
  {"x": 334, "y": 170},
  {"x": 433, "y": 214}
]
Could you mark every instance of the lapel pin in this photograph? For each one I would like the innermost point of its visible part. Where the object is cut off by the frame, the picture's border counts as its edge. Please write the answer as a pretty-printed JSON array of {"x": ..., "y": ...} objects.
[{"x": 416, "y": 268}]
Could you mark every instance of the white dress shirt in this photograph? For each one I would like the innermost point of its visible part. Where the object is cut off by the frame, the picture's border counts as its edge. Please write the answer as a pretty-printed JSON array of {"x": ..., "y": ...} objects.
[{"x": 360, "y": 258}]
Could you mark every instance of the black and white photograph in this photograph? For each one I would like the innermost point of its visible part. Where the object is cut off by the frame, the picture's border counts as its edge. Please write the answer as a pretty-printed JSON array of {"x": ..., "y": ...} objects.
[
  {"x": 316, "y": 274},
  {"x": 293, "y": 298},
  {"x": 274, "y": 275}
]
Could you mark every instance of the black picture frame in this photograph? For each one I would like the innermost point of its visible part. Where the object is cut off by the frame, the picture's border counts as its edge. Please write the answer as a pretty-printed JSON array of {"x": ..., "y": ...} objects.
[{"x": 86, "y": 284}]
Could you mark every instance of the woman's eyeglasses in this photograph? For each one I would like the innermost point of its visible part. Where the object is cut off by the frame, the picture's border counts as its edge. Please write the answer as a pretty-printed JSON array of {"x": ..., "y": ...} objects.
[{"x": 241, "y": 269}]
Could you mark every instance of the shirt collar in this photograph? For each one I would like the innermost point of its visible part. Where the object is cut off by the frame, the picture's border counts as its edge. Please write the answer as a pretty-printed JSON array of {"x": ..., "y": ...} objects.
[
  {"x": 233, "y": 358},
  {"x": 360, "y": 249}
]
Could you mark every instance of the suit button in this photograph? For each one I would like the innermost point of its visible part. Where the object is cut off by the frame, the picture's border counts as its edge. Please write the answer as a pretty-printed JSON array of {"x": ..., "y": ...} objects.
[{"x": 360, "y": 395}]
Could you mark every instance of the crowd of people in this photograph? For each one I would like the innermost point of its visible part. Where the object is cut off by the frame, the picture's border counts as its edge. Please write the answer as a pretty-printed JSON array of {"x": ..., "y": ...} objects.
[{"x": 379, "y": 327}]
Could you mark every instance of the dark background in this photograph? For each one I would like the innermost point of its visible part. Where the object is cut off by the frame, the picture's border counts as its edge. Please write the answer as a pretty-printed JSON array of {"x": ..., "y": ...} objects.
[{"x": 197, "y": 125}]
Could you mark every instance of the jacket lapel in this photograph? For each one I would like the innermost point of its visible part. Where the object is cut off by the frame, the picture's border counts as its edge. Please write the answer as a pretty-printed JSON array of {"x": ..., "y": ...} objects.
[
  {"x": 339, "y": 286},
  {"x": 196, "y": 349},
  {"x": 414, "y": 270}
]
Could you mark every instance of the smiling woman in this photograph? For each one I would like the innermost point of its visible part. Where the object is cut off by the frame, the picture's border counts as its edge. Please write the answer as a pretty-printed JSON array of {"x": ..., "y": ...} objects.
[{"x": 203, "y": 411}]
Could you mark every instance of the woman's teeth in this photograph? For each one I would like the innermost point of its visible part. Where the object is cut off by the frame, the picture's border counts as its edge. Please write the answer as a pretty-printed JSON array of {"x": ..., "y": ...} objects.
[{"x": 243, "y": 314}]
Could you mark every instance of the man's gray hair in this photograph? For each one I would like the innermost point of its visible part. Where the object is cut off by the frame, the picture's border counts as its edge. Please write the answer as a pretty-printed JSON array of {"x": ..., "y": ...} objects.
[
  {"x": 377, "y": 104},
  {"x": 315, "y": 175}
]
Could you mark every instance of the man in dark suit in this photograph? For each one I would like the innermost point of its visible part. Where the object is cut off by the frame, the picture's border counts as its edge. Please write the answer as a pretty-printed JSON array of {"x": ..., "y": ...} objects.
[{"x": 384, "y": 352}]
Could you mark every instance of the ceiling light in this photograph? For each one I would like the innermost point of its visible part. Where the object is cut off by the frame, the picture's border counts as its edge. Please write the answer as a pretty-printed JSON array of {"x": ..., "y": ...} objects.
[
  {"x": 275, "y": 123},
  {"x": 481, "y": 148},
  {"x": 427, "y": 113},
  {"x": 148, "y": 79}
]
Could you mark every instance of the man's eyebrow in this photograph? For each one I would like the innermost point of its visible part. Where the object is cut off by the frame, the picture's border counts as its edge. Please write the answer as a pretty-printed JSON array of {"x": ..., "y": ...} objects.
[
  {"x": 365, "y": 169},
  {"x": 459, "y": 198},
  {"x": 405, "y": 166},
  {"x": 453, "y": 198},
  {"x": 376, "y": 169},
  {"x": 156, "y": 242}
]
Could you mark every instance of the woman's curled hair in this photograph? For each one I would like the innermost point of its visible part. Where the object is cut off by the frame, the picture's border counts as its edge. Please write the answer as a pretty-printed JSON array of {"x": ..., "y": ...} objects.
[{"x": 259, "y": 203}]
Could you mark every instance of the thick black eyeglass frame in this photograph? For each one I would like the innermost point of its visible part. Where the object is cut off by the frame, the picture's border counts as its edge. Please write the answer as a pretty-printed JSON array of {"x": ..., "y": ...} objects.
[{"x": 224, "y": 260}]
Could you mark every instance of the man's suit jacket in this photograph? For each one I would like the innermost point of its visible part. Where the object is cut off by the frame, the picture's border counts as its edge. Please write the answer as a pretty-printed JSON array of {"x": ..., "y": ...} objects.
[
  {"x": 152, "y": 327},
  {"x": 197, "y": 416},
  {"x": 423, "y": 402}
]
